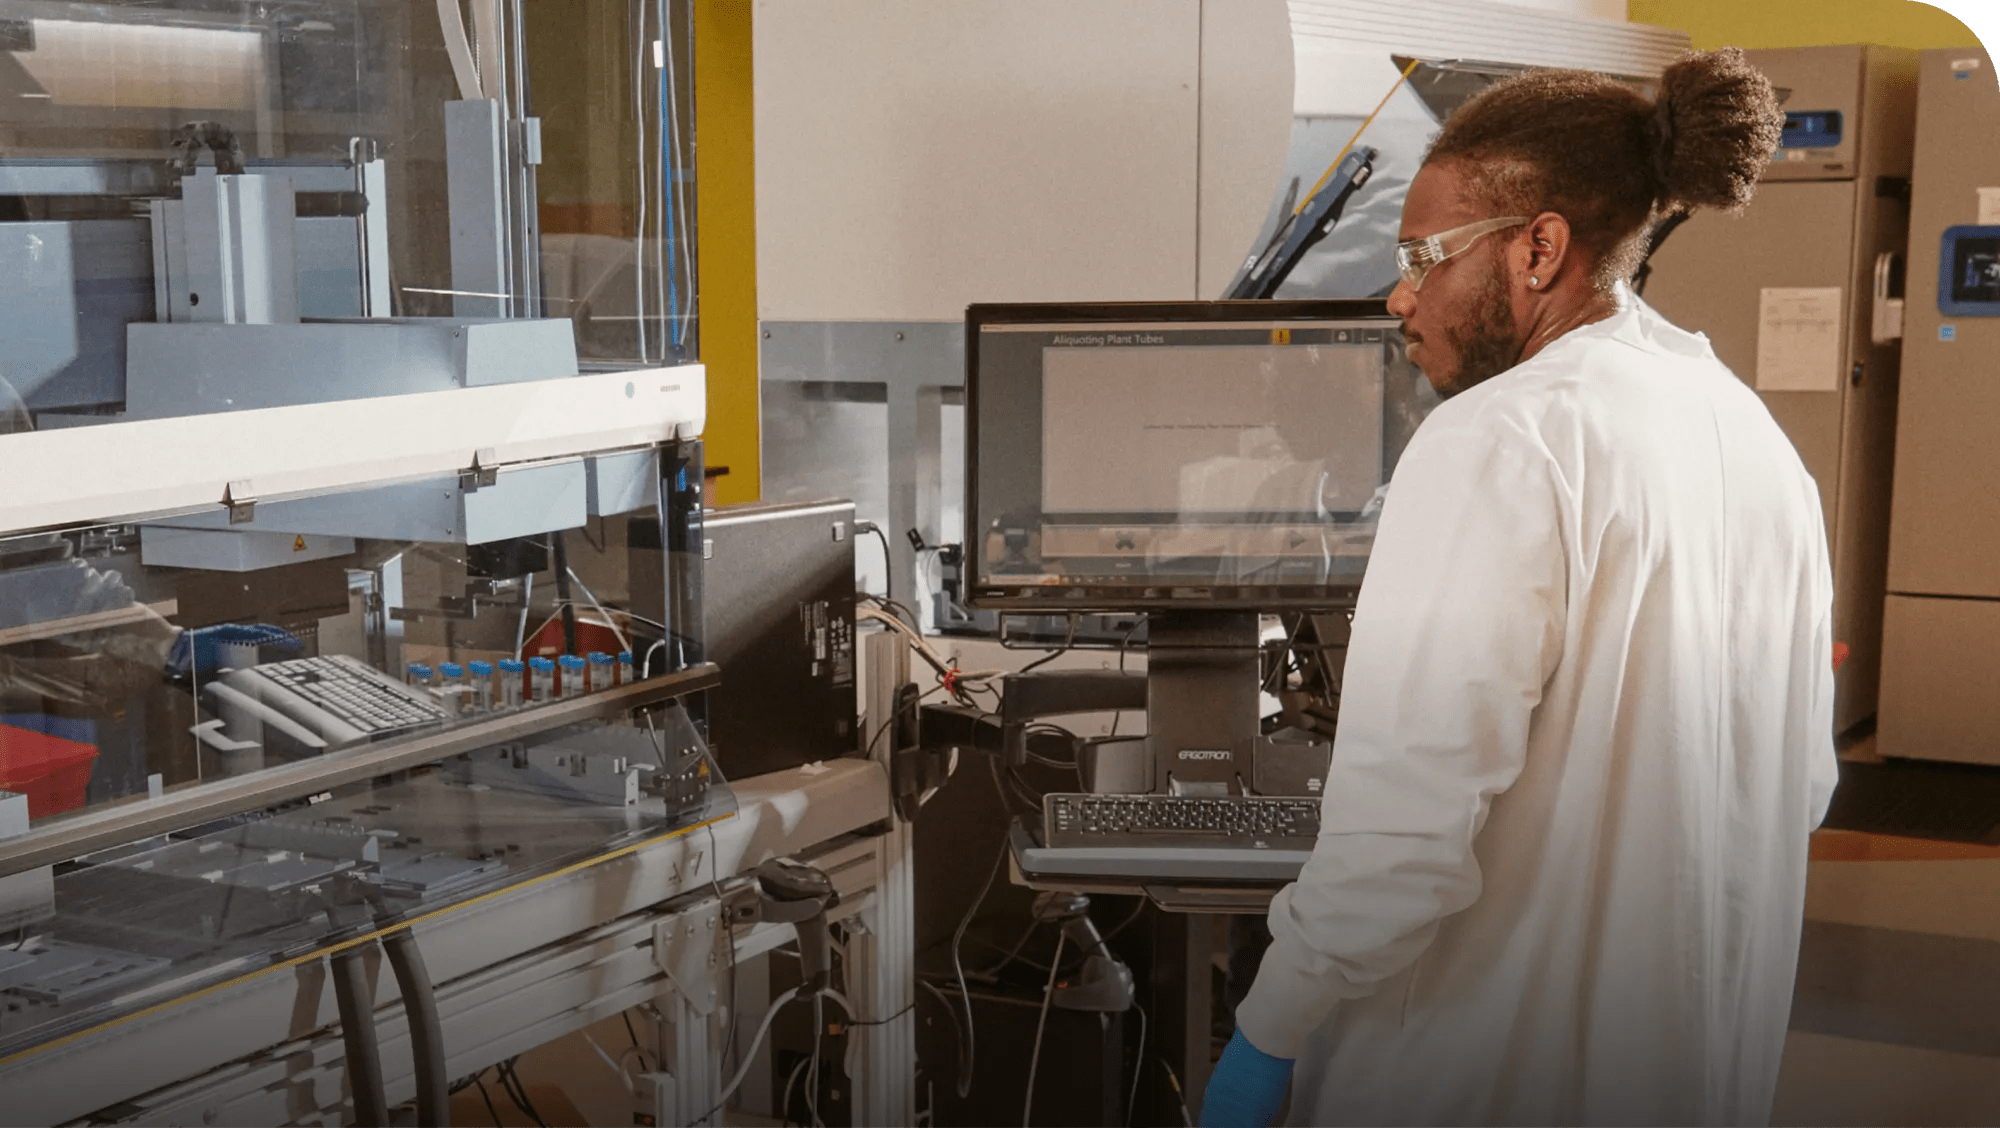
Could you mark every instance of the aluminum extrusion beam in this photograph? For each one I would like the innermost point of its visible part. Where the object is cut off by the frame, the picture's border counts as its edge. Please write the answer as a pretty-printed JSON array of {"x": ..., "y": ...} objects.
[
  {"x": 114, "y": 826},
  {"x": 159, "y": 467}
]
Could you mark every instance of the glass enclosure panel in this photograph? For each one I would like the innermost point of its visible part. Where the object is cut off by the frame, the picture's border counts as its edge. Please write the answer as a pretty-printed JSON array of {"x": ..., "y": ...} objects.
[
  {"x": 121, "y": 930},
  {"x": 110, "y": 110},
  {"x": 617, "y": 177},
  {"x": 137, "y": 658},
  {"x": 154, "y": 660}
]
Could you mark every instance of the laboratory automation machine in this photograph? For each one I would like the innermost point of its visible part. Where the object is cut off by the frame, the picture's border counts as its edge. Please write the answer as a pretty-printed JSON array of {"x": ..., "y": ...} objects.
[
  {"x": 1941, "y": 637},
  {"x": 364, "y": 727},
  {"x": 1799, "y": 297}
]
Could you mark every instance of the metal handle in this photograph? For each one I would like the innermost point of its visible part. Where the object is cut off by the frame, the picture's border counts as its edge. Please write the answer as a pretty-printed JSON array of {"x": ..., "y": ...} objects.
[{"x": 1887, "y": 323}]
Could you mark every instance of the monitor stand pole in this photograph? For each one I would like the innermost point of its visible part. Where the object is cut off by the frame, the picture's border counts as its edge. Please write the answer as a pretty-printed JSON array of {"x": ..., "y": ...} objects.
[{"x": 1201, "y": 701}]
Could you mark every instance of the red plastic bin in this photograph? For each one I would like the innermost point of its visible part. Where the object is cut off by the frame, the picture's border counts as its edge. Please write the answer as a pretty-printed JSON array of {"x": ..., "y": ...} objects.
[{"x": 52, "y": 772}]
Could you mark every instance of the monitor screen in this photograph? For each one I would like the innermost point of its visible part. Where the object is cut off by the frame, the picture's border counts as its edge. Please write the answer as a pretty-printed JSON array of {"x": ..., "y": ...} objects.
[{"x": 1147, "y": 456}]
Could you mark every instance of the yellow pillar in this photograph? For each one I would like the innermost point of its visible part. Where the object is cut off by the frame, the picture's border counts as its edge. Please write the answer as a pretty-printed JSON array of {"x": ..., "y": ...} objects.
[{"x": 725, "y": 194}]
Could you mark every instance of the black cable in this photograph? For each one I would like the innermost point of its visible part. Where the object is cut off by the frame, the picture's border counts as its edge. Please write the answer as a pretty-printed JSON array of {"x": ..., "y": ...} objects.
[
  {"x": 517, "y": 1092},
  {"x": 1075, "y": 745},
  {"x": 561, "y": 555},
  {"x": 1036, "y": 921},
  {"x": 426, "y": 1029},
  {"x": 357, "y": 1031},
  {"x": 812, "y": 1069},
  {"x": 1008, "y": 789},
  {"x": 958, "y": 966},
  {"x": 1124, "y": 643},
  {"x": 1024, "y": 791},
  {"x": 951, "y": 1012},
  {"x": 901, "y": 610},
  {"x": 1138, "y": 1060},
  {"x": 1035, "y": 1056},
  {"x": 1291, "y": 639},
  {"x": 729, "y": 939},
  {"x": 907, "y": 1008},
  {"x": 882, "y": 729},
  {"x": 888, "y": 565},
  {"x": 1127, "y": 922},
  {"x": 527, "y": 1103},
  {"x": 488, "y": 1098},
  {"x": 1069, "y": 641},
  {"x": 1179, "y": 1094},
  {"x": 1059, "y": 765}
]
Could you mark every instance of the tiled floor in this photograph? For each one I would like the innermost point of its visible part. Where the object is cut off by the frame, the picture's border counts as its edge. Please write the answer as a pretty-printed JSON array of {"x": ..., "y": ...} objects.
[{"x": 1896, "y": 1019}]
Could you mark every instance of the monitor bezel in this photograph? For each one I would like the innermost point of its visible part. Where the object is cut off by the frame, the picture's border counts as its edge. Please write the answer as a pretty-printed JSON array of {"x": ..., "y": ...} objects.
[{"x": 1086, "y": 598}]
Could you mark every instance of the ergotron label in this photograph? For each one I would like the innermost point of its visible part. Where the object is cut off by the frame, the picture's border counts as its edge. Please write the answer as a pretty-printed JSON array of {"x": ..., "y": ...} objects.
[{"x": 1204, "y": 754}]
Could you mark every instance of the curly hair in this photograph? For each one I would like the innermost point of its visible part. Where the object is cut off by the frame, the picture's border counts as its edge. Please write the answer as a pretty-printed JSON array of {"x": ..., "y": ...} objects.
[{"x": 1609, "y": 161}]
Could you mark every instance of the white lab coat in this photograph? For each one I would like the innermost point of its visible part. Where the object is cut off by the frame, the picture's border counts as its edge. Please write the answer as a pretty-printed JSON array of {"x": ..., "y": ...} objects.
[{"x": 1585, "y": 731}]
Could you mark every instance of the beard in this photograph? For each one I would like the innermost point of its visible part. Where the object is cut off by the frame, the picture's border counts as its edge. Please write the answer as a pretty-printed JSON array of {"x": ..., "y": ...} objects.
[{"x": 1485, "y": 343}]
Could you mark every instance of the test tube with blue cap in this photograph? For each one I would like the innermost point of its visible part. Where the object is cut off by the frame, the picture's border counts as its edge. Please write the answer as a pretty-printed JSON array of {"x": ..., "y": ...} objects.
[
  {"x": 419, "y": 674},
  {"x": 603, "y": 672},
  {"x": 573, "y": 672},
  {"x": 541, "y": 679},
  {"x": 481, "y": 675},
  {"x": 513, "y": 681},
  {"x": 451, "y": 686},
  {"x": 622, "y": 673}
]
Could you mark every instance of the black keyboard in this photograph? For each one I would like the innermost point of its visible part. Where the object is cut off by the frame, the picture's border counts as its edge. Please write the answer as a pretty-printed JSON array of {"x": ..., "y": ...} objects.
[{"x": 1257, "y": 822}]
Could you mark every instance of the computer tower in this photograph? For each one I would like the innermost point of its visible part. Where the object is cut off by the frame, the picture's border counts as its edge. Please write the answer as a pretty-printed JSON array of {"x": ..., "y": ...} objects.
[
  {"x": 1942, "y": 623},
  {"x": 1787, "y": 294},
  {"x": 778, "y": 610}
]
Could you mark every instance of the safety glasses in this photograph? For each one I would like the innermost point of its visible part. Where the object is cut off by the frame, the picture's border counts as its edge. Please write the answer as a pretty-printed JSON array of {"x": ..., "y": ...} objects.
[{"x": 1416, "y": 257}]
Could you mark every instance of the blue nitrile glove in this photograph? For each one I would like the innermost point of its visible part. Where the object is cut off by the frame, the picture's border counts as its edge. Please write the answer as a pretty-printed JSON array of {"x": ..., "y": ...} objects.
[{"x": 1246, "y": 1088}]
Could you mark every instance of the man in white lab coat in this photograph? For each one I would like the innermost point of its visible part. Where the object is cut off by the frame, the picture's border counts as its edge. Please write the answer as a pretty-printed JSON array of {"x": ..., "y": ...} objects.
[{"x": 1586, "y": 723}]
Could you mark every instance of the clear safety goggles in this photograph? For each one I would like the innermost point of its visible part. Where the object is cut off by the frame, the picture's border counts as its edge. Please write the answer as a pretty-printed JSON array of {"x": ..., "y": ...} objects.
[{"x": 1416, "y": 257}]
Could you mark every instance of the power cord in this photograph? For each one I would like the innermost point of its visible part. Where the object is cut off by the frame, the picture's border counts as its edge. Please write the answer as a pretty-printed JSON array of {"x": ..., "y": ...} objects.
[
  {"x": 1179, "y": 1094},
  {"x": 951, "y": 1012},
  {"x": 785, "y": 1104},
  {"x": 812, "y": 1068},
  {"x": 729, "y": 940},
  {"x": 888, "y": 562},
  {"x": 958, "y": 967},
  {"x": 750, "y": 1056},
  {"x": 1035, "y": 1056},
  {"x": 511, "y": 1084},
  {"x": 1138, "y": 1062},
  {"x": 487, "y": 1097}
]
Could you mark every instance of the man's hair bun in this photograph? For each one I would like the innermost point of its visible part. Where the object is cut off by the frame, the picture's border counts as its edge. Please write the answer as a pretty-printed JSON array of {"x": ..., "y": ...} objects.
[
  {"x": 1608, "y": 159},
  {"x": 1714, "y": 127}
]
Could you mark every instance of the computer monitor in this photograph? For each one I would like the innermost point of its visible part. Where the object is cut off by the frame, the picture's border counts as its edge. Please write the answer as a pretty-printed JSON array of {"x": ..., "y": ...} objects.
[
  {"x": 1146, "y": 456},
  {"x": 1196, "y": 461}
]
